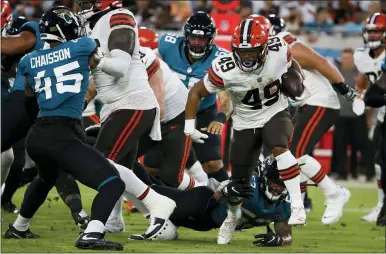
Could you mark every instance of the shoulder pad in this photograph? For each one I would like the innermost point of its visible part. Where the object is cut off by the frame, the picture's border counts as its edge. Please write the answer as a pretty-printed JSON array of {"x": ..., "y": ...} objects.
[{"x": 166, "y": 42}]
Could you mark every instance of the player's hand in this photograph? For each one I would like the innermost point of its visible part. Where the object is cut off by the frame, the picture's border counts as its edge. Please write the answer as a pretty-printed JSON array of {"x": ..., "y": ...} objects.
[
  {"x": 196, "y": 136},
  {"x": 270, "y": 239},
  {"x": 214, "y": 128},
  {"x": 351, "y": 94},
  {"x": 347, "y": 92},
  {"x": 238, "y": 189}
]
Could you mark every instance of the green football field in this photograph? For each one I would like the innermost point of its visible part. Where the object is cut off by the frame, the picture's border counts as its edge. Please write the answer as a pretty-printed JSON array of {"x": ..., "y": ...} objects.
[{"x": 58, "y": 232}]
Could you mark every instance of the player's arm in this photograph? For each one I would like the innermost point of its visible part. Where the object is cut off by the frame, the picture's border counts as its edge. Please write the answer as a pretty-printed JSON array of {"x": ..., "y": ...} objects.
[
  {"x": 310, "y": 59},
  {"x": 121, "y": 44},
  {"x": 284, "y": 231},
  {"x": 224, "y": 113},
  {"x": 156, "y": 83},
  {"x": 156, "y": 51},
  {"x": 31, "y": 105},
  {"x": 375, "y": 96},
  {"x": 91, "y": 91},
  {"x": 362, "y": 83},
  {"x": 18, "y": 44}
]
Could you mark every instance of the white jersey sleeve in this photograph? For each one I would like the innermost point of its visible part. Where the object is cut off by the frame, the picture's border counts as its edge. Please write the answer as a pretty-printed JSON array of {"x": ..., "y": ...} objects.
[
  {"x": 213, "y": 80},
  {"x": 368, "y": 65}
]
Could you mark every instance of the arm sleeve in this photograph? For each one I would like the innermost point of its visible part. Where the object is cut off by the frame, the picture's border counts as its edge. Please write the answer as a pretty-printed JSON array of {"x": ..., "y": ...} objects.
[
  {"x": 375, "y": 96},
  {"x": 212, "y": 80}
]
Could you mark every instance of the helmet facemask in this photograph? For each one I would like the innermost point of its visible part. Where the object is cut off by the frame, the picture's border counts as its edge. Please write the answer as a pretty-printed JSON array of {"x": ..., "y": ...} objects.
[
  {"x": 374, "y": 37},
  {"x": 250, "y": 59},
  {"x": 197, "y": 44}
]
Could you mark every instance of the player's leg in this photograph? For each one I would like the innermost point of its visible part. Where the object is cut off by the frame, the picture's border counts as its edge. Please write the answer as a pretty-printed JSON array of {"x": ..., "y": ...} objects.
[
  {"x": 209, "y": 153},
  {"x": 277, "y": 133},
  {"x": 69, "y": 192},
  {"x": 7, "y": 158},
  {"x": 12, "y": 182},
  {"x": 118, "y": 138},
  {"x": 377, "y": 138},
  {"x": 195, "y": 167},
  {"x": 244, "y": 153}
]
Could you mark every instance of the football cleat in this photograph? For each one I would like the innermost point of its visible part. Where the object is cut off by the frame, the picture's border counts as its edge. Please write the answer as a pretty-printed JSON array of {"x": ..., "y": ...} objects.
[
  {"x": 10, "y": 207},
  {"x": 373, "y": 215},
  {"x": 228, "y": 227},
  {"x": 168, "y": 233},
  {"x": 334, "y": 206},
  {"x": 115, "y": 224},
  {"x": 298, "y": 216},
  {"x": 81, "y": 219},
  {"x": 96, "y": 241},
  {"x": 12, "y": 232}
]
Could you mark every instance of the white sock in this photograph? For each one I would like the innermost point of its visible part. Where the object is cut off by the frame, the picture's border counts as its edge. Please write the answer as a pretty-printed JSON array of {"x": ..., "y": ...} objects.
[
  {"x": 198, "y": 172},
  {"x": 289, "y": 171},
  {"x": 21, "y": 223},
  {"x": 134, "y": 185},
  {"x": 381, "y": 194},
  {"x": 234, "y": 209},
  {"x": 188, "y": 182},
  {"x": 117, "y": 210},
  {"x": 313, "y": 170},
  {"x": 137, "y": 203},
  {"x": 6, "y": 163},
  {"x": 95, "y": 226}
]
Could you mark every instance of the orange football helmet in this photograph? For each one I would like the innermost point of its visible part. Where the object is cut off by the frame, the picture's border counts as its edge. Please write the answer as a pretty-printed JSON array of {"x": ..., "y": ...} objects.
[
  {"x": 147, "y": 38},
  {"x": 374, "y": 32},
  {"x": 249, "y": 45},
  {"x": 5, "y": 12},
  {"x": 262, "y": 20}
]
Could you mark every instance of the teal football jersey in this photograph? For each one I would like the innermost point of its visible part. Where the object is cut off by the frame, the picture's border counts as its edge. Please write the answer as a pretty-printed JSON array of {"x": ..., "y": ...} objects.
[
  {"x": 256, "y": 210},
  {"x": 59, "y": 77},
  {"x": 32, "y": 27},
  {"x": 172, "y": 51}
]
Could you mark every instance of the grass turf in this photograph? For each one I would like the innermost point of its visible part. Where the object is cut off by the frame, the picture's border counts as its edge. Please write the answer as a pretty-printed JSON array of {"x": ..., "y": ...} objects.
[{"x": 58, "y": 232}]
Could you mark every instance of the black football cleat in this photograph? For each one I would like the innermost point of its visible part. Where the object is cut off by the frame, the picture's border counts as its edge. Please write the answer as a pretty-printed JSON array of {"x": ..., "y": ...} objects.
[
  {"x": 80, "y": 221},
  {"x": 12, "y": 232},
  {"x": 96, "y": 241},
  {"x": 10, "y": 207},
  {"x": 155, "y": 229},
  {"x": 381, "y": 220}
]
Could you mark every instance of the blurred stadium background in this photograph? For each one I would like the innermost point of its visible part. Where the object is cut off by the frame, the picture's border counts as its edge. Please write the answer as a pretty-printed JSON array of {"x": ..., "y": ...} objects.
[{"x": 329, "y": 26}]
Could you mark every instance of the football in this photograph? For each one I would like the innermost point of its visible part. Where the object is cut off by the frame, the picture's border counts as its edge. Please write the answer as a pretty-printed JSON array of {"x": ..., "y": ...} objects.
[{"x": 292, "y": 83}]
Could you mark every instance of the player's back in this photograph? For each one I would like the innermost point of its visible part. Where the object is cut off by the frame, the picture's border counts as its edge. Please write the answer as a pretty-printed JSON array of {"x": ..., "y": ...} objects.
[
  {"x": 172, "y": 51},
  {"x": 318, "y": 90},
  {"x": 59, "y": 77},
  {"x": 111, "y": 89}
]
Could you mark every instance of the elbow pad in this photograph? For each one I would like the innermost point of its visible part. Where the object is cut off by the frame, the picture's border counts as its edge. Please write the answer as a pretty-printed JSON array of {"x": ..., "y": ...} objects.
[
  {"x": 31, "y": 106},
  {"x": 117, "y": 64}
]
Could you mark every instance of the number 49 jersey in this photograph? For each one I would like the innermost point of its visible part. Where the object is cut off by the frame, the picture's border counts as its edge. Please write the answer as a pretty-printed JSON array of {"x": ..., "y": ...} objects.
[
  {"x": 59, "y": 77},
  {"x": 255, "y": 95}
]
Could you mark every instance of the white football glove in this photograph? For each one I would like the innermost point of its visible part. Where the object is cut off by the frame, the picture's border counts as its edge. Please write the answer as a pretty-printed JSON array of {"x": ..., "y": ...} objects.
[{"x": 191, "y": 131}]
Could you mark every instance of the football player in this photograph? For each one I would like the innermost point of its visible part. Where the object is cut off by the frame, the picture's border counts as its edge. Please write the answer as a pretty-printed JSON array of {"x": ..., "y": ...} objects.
[
  {"x": 56, "y": 81},
  {"x": 253, "y": 74},
  {"x": 318, "y": 110},
  {"x": 206, "y": 209},
  {"x": 368, "y": 60},
  {"x": 190, "y": 57},
  {"x": 15, "y": 120},
  {"x": 130, "y": 109}
]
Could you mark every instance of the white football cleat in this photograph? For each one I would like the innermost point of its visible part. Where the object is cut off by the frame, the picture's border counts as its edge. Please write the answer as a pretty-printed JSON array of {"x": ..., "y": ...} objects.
[
  {"x": 115, "y": 224},
  {"x": 298, "y": 216},
  {"x": 228, "y": 227},
  {"x": 334, "y": 206},
  {"x": 373, "y": 215}
]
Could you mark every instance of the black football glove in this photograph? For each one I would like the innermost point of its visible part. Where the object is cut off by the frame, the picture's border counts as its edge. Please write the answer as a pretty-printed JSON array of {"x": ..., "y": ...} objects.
[
  {"x": 237, "y": 188},
  {"x": 270, "y": 239},
  {"x": 347, "y": 92}
]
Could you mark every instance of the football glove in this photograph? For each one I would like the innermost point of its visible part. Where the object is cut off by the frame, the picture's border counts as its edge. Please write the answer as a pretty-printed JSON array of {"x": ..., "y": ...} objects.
[
  {"x": 347, "y": 92},
  {"x": 270, "y": 239},
  {"x": 191, "y": 131},
  {"x": 239, "y": 189}
]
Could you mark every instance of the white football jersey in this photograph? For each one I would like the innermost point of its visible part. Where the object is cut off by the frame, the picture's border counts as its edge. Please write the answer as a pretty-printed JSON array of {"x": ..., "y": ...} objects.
[
  {"x": 90, "y": 110},
  {"x": 175, "y": 92},
  {"x": 255, "y": 95},
  {"x": 131, "y": 91},
  {"x": 371, "y": 67},
  {"x": 317, "y": 89}
]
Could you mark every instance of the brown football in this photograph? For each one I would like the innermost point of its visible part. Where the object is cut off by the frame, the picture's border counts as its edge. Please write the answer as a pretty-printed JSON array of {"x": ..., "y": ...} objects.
[{"x": 292, "y": 83}]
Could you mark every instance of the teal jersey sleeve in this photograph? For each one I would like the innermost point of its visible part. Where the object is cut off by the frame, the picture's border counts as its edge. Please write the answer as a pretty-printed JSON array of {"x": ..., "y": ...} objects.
[{"x": 85, "y": 46}]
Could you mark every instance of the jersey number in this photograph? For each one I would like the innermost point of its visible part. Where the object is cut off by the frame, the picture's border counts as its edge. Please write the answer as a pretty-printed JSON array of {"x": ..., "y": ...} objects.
[
  {"x": 373, "y": 76},
  {"x": 191, "y": 82},
  {"x": 271, "y": 93},
  {"x": 274, "y": 44},
  {"x": 226, "y": 64},
  {"x": 60, "y": 78}
]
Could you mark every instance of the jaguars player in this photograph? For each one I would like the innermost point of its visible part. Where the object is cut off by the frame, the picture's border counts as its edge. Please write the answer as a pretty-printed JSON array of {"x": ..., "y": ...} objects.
[
  {"x": 317, "y": 113},
  {"x": 56, "y": 81},
  {"x": 368, "y": 61},
  {"x": 254, "y": 75},
  {"x": 190, "y": 57},
  {"x": 269, "y": 202}
]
